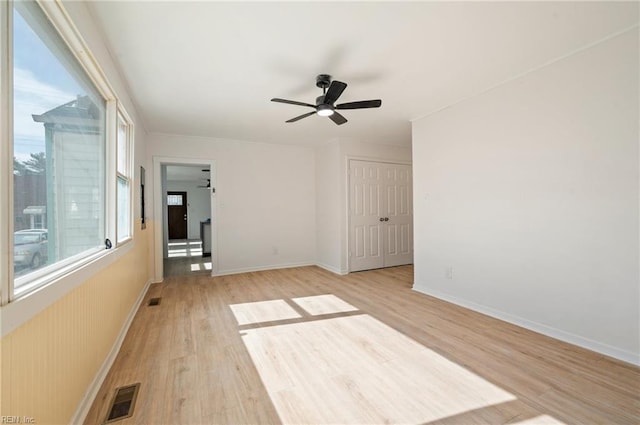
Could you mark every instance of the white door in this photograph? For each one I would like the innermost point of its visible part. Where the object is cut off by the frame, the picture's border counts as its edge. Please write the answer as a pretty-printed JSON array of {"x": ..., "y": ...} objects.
[
  {"x": 380, "y": 215},
  {"x": 366, "y": 210},
  {"x": 398, "y": 220}
]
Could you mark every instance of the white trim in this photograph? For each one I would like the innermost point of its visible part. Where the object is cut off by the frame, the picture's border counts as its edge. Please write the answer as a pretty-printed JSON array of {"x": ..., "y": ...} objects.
[
  {"x": 158, "y": 213},
  {"x": 376, "y": 159},
  {"x": 129, "y": 175},
  {"x": 69, "y": 33},
  {"x": 6, "y": 155},
  {"x": 263, "y": 268},
  {"x": 92, "y": 390},
  {"x": 21, "y": 310},
  {"x": 24, "y": 285},
  {"x": 124, "y": 114},
  {"x": 110, "y": 183},
  {"x": 589, "y": 344},
  {"x": 332, "y": 269}
]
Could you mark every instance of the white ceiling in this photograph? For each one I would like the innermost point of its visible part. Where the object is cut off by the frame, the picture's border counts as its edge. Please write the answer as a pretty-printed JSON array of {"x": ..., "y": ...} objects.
[
  {"x": 211, "y": 68},
  {"x": 188, "y": 173}
]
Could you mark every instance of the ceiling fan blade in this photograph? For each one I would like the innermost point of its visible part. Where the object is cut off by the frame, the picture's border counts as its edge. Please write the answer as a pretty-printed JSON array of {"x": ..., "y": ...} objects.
[
  {"x": 308, "y": 114},
  {"x": 335, "y": 90},
  {"x": 360, "y": 104},
  {"x": 292, "y": 102},
  {"x": 337, "y": 118}
]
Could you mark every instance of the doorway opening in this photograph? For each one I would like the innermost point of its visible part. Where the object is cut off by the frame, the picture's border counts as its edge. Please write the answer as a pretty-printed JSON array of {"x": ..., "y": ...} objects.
[{"x": 185, "y": 205}]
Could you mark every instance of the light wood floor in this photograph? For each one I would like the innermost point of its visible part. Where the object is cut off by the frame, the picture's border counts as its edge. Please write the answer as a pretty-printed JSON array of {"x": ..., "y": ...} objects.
[{"x": 306, "y": 346}]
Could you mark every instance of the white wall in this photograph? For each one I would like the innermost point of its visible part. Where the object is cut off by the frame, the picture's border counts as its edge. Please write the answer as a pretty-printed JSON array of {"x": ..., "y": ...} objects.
[
  {"x": 198, "y": 204},
  {"x": 265, "y": 197},
  {"x": 331, "y": 174},
  {"x": 328, "y": 213},
  {"x": 530, "y": 193}
]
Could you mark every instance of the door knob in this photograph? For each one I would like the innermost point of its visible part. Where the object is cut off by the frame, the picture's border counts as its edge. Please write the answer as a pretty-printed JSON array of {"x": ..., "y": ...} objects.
[
  {"x": 386, "y": 219},
  {"x": 381, "y": 218}
]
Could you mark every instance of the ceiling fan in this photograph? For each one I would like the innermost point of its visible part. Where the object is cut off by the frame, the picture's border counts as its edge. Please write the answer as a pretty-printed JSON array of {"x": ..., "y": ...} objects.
[
  {"x": 325, "y": 103},
  {"x": 208, "y": 180}
]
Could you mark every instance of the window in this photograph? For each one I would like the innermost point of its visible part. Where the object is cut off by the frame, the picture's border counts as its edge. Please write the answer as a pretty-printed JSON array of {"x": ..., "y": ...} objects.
[
  {"x": 58, "y": 145},
  {"x": 38, "y": 223},
  {"x": 123, "y": 189},
  {"x": 174, "y": 200},
  {"x": 72, "y": 150}
]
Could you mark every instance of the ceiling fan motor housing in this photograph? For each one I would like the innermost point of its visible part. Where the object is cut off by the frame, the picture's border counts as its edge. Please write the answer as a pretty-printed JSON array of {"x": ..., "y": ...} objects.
[{"x": 323, "y": 81}]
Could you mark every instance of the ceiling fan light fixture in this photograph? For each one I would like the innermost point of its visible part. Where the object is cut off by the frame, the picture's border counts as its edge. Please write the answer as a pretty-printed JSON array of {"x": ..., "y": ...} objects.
[
  {"x": 325, "y": 104},
  {"x": 325, "y": 110}
]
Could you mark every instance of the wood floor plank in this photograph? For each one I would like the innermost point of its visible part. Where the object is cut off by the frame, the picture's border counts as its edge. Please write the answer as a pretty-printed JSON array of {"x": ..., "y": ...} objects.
[{"x": 361, "y": 348}]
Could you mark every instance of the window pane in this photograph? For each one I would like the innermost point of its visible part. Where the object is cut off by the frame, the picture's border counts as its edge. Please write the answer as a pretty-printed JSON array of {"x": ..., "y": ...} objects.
[
  {"x": 123, "y": 157},
  {"x": 124, "y": 206},
  {"x": 174, "y": 200},
  {"x": 58, "y": 141}
]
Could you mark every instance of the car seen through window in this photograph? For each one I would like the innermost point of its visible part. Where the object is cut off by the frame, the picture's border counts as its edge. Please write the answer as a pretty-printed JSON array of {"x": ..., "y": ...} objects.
[{"x": 29, "y": 250}]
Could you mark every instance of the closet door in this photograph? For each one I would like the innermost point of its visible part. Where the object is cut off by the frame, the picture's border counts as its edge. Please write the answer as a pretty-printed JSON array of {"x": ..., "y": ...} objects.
[
  {"x": 398, "y": 229},
  {"x": 380, "y": 215},
  {"x": 366, "y": 210}
]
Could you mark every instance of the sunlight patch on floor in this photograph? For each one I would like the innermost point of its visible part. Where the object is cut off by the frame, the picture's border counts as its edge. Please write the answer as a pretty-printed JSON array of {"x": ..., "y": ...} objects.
[
  {"x": 355, "y": 369},
  {"x": 196, "y": 267},
  {"x": 184, "y": 248},
  {"x": 323, "y": 304},
  {"x": 263, "y": 311},
  {"x": 173, "y": 253}
]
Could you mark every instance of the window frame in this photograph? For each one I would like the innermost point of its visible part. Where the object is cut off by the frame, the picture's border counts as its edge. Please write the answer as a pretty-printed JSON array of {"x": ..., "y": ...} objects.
[
  {"x": 123, "y": 117},
  {"x": 6, "y": 152},
  {"x": 65, "y": 274}
]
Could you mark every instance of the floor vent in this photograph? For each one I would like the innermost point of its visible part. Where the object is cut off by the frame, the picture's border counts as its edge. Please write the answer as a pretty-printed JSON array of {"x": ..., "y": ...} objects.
[
  {"x": 154, "y": 301},
  {"x": 124, "y": 400}
]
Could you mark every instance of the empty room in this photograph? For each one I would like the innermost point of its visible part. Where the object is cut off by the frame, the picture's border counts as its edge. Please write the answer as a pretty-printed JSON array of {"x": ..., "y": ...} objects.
[{"x": 319, "y": 212}]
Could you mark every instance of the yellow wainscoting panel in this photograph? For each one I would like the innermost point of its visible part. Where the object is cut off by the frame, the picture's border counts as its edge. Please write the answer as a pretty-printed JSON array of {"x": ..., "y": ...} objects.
[{"x": 49, "y": 362}]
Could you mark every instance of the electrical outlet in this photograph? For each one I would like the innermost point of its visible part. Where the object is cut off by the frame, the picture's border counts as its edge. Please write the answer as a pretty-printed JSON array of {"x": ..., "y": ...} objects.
[{"x": 448, "y": 272}]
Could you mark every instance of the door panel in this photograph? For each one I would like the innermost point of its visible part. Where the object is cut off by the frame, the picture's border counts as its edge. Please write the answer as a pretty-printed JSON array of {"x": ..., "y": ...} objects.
[
  {"x": 374, "y": 241},
  {"x": 392, "y": 240},
  {"x": 177, "y": 215},
  {"x": 381, "y": 215},
  {"x": 365, "y": 228},
  {"x": 400, "y": 213}
]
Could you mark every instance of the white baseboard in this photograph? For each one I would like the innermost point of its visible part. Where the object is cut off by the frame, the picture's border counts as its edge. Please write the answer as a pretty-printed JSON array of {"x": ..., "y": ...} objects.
[
  {"x": 92, "y": 391},
  {"x": 598, "y": 347},
  {"x": 332, "y": 269},
  {"x": 262, "y": 268}
]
